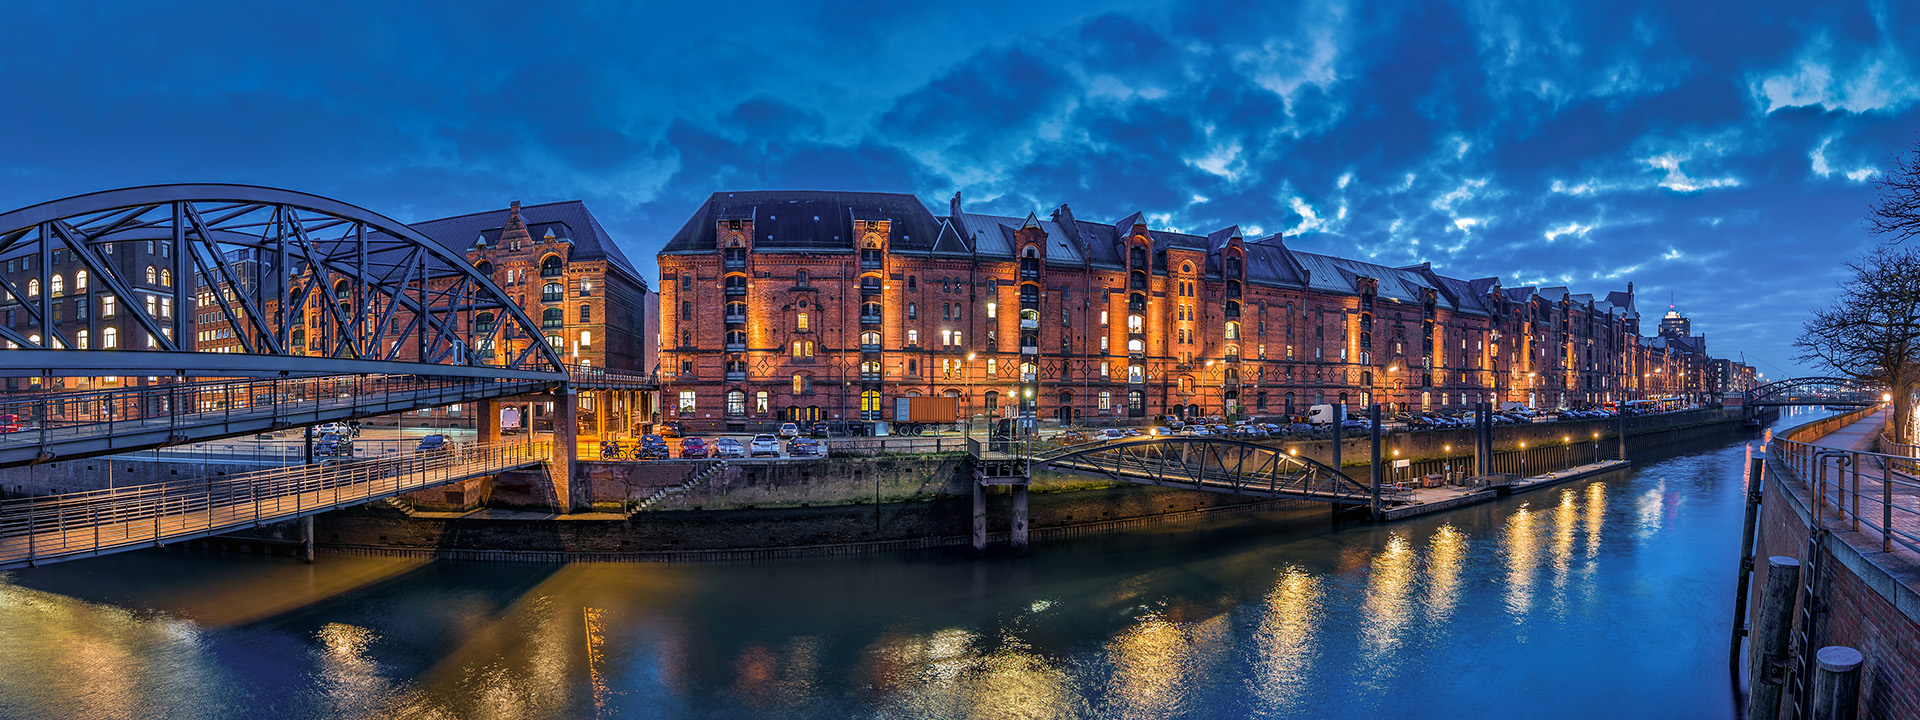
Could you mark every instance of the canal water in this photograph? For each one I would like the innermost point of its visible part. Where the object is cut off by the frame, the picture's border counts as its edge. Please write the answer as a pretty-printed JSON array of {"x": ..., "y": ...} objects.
[{"x": 1603, "y": 598}]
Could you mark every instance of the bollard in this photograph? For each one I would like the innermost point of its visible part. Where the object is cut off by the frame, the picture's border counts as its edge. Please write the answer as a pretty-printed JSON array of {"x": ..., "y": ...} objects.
[
  {"x": 1772, "y": 627},
  {"x": 979, "y": 517},
  {"x": 1836, "y": 684}
]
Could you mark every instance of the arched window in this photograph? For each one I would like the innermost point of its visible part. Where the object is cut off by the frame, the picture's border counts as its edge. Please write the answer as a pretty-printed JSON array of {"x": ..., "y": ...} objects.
[
  {"x": 1029, "y": 372},
  {"x": 736, "y": 338},
  {"x": 110, "y": 338},
  {"x": 1136, "y": 323},
  {"x": 80, "y": 281},
  {"x": 913, "y": 311},
  {"x": 483, "y": 323},
  {"x": 550, "y": 266},
  {"x": 870, "y": 367},
  {"x": 868, "y": 312},
  {"x": 342, "y": 289},
  {"x": 33, "y": 287},
  {"x": 1029, "y": 263},
  {"x": 552, "y": 292},
  {"x": 800, "y": 384},
  {"x": 992, "y": 400},
  {"x": 737, "y": 311},
  {"x": 153, "y": 275},
  {"x": 736, "y": 285},
  {"x": 80, "y": 339},
  {"x": 1136, "y": 346},
  {"x": 1233, "y": 331},
  {"x": 870, "y": 405},
  {"x": 1139, "y": 281},
  {"x": 484, "y": 268},
  {"x": 552, "y": 318},
  {"x": 57, "y": 285},
  {"x": 1029, "y": 318},
  {"x": 166, "y": 277},
  {"x": 946, "y": 311},
  {"x": 870, "y": 338}
]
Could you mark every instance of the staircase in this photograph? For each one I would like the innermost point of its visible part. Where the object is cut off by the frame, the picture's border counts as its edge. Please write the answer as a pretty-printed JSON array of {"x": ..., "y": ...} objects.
[{"x": 712, "y": 470}]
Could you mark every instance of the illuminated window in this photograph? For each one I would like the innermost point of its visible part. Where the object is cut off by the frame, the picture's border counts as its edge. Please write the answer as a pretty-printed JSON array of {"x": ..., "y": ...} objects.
[
  {"x": 870, "y": 401},
  {"x": 33, "y": 288},
  {"x": 110, "y": 338},
  {"x": 1136, "y": 346},
  {"x": 993, "y": 367},
  {"x": 166, "y": 276},
  {"x": 1106, "y": 401},
  {"x": 800, "y": 322},
  {"x": 107, "y": 305},
  {"x": 1136, "y": 323},
  {"x": 993, "y": 310},
  {"x": 687, "y": 403},
  {"x": 153, "y": 275},
  {"x": 58, "y": 286},
  {"x": 80, "y": 339},
  {"x": 760, "y": 402},
  {"x": 80, "y": 281},
  {"x": 586, "y": 338},
  {"x": 913, "y": 337}
]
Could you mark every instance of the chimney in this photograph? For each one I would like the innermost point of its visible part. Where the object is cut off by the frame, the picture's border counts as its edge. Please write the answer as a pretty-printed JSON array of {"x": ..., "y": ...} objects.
[{"x": 954, "y": 205}]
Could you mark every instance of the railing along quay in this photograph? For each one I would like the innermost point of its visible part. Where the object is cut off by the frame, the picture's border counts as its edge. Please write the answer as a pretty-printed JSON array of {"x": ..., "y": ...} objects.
[
  {"x": 1840, "y": 481},
  {"x": 39, "y": 529}
]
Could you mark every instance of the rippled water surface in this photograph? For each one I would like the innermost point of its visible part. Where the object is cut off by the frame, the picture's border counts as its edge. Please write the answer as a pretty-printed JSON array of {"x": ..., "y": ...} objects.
[{"x": 1603, "y": 598}]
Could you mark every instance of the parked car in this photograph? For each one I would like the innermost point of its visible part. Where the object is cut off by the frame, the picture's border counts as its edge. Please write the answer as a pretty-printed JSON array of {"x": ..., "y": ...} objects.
[
  {"x": 433, "y": 443},
  {"x": 1130, "y": 432},
  {"x": 820, "y": 430},
  {"x": 11, "y": 424},
  {"x": 333, "y": 445},
  {"x": 764, "y": 445},
  {"x": 694, "y": 447},
  {"x": 807, "y": 447},
  {"x": 332, "y": 428},
  {"x": 789, "y": 431},
  {"x": 729, "y": 448},
  {"x": 653, "y": 452},
  {"x": 671, "y": 430},
  {"x": 1351, "y": 424},
  {"x": 1162, "y": 431},
  {"x": 1070, "y": 437},
  {"x": 1110, "y": 434}
]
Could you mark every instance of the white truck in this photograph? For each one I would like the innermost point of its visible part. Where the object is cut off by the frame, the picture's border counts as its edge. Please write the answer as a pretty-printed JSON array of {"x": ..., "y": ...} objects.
[{"x": 1319, "y": 415}]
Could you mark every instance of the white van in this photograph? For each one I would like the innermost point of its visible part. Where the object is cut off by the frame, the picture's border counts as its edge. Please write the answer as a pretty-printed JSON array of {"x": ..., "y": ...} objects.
[{"x": 1326, "y": 414}]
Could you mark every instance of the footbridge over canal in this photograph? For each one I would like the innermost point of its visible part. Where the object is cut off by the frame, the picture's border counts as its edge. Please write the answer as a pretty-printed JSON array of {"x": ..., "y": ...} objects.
[
  {"x": 53, "y": 528},
  {"x": 1814, "y": 391}
]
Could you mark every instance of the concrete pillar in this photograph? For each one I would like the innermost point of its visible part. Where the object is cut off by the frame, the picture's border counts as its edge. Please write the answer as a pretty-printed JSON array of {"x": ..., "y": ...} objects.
[
  {"x": 570, "y": 496},
  {"x": 600, "y": 415},
  {"x": 489, "y": 421},
  {"x": 1019, "y": 535},
  {"x": 979, "y": 517},
  {"x": 306, "y": 539}
]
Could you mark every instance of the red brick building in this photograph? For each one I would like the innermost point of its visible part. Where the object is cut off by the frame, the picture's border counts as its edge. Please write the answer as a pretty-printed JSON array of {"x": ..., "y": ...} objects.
[{"x": 832, "y": 305}]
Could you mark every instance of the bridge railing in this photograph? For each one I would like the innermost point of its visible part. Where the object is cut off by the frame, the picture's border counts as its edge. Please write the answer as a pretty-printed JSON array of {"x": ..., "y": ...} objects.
[
  {"x": 1864, "y": 491},
  {"x": 97, "y": 520},
  {"x": 35, "y": 417},
  {"x": 596, "y": 376}
]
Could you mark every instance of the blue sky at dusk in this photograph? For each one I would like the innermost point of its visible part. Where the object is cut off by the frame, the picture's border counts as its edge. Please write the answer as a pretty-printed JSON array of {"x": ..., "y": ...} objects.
[{"x": 1720, "y": 152}]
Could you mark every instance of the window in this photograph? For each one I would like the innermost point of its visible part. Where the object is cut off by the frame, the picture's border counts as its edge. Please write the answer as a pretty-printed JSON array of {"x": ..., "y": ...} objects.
[
  {"x": 736, "y": 403},
  {"x": 80, "y": 338},
  {"x": 1136, "y": 373},
  {"x": 166, "y": 307},
  {"x": 1136, "y": 323},
  {"x": 1136, "y": 346},
  {"x": 166, "y": 276},
  {"x": 799, "y": 384},
  {"x": 913, "y": 337},
  {"x": 1106, "y": 401},
  {"x": 80, "y": 281},
  {"x": 686, "y": 283},
  {"x": 800, "y": 322},
  {"x": 686, "y": 309},
  {"x": 58, "y": 286},
  {"x": 550, "y": 266},
  {"x": 586, "y": 288},
  {"x": 153, "y": 275},
  {"x": 870, "y": 402},
  {"x": 153, "y": 306},
  {"x": 1103, "y": 343},
  {"x": 552, "y": 292},
  {"x": 802, "y": 348},
  {"x": 913, "y": 283},
  {"x": 33, "y": 287},
  {"x": 552, "y": 318},
  {"x": 556, "y": 342},
  {"x": 687, "y": 404},
  {"x": 913, "y": 311},
  {"x": 993, "y": 310},
  {"x": 800, "y": 279},
  {"x": 107, "y": 304},
  {"x": 760, "y": 402},
  {"x": 586, "y": 338},
  {"x": 110, "y": 338},
  {"x": 993, "y": 367},
  {"x": 586, "y": 313}
]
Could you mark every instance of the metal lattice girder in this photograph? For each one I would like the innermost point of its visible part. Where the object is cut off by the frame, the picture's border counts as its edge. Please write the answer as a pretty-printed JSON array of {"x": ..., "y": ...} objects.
[
  {"x": 320, "y": 285},
  {"x": 1813, "y": 391},
  {"x": 1210, "y": 464}
]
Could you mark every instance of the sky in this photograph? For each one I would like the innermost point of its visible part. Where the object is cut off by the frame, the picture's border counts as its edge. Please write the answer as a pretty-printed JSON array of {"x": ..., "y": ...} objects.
[{"x": 1718, "y": 154}]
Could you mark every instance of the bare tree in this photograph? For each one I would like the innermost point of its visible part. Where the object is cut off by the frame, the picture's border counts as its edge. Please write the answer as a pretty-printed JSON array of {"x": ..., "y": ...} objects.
[
  {"x": 1897, "y": 215},
  {"x": 1871, "y": 333}
]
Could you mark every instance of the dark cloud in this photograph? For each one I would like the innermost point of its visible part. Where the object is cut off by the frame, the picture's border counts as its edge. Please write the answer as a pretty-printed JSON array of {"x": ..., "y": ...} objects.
[{"x": 1717, "y": 151}]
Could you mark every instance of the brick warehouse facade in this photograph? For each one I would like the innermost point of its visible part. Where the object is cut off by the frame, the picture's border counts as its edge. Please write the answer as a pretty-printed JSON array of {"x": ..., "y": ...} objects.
[{"x": 833, "y": 305}]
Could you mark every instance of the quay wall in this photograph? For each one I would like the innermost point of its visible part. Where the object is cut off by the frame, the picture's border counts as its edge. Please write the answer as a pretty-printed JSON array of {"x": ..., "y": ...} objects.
[{"x": 1869, "y": 602}]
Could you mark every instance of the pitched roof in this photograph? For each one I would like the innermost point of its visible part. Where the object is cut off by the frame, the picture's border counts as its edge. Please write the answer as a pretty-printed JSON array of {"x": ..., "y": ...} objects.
[
  {"x": 807, "y": 220},
  {"x": 568, "y": 219}
]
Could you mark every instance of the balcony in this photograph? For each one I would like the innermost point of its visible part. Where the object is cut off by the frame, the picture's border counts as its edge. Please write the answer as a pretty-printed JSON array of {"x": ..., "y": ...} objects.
[
  {"x": 1029, "y": 350},
  {"x": 734, "y": 318},
  {"x": 734, "y": 347},
  {"x": 736, "y": 376},
  {"x": 869, "y": 347},
  {"x": 1232, "y": 358},
  {"x": 870, "y": 377},
  {"x": 870, "y": 319},
  {"x": 869, "y": 290},
  {"x": 736, "y": 290}
]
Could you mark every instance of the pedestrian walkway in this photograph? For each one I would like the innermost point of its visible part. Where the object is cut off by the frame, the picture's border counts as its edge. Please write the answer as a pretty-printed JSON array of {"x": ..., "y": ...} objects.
[{"x": 1870, "y": 500}]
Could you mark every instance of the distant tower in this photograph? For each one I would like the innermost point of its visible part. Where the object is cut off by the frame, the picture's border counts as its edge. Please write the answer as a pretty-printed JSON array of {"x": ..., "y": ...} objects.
[{"x": 1673, "y": 324}]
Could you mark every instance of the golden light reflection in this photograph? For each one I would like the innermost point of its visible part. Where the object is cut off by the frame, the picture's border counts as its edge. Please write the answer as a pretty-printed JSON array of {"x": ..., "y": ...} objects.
[
  {"x": 354, "y": 685},
  {"x": 1386, "y": 606},
  {"x": 1287, "y": 641},
  {"x": 1522, "y": 548},
  {"x": 92, "y": 660},
  {"x": 1596, "y": 517},
  {"x": 944, "y": 674},
  {"x": 596, "y": 659},
  {"x": 1566, "y": 521},
  {"x": 1650, "y": 507},
  {"x": 1156, "y": 662},
  {"x": 1444, "y": 554}
]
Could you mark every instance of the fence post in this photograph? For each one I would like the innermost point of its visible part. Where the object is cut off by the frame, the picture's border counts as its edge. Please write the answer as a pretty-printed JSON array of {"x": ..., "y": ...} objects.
[{"x": 1886, "y": 506}]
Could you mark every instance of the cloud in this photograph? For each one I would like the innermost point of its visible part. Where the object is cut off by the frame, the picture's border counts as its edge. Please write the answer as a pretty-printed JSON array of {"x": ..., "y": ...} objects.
[
  {"x": 1677, "y": 180},
  {"x": 1876, "y": 79},
  {"x": 1823, "y": 168},
  {"x": 1571, "y": 228}
]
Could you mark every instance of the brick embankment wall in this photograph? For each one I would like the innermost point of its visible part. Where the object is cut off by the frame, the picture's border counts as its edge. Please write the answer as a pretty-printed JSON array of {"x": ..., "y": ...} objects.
[
  {"x": 101, "y": 473},
  {"x": 1869, "y": 598}
]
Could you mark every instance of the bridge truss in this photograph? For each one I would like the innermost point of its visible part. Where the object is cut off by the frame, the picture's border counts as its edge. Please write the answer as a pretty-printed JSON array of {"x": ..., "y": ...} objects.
[
  {"x": 1209, "y": 464},
  {"x": 1813, "y": 391},
  {"x": 129, "y": 309}
]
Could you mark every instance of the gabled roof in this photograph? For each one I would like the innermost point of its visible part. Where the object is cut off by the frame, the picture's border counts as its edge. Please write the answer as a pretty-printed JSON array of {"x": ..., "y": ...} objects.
[
  {"x": 569, "y": 219},
  {"x": 807, "y": 220}
]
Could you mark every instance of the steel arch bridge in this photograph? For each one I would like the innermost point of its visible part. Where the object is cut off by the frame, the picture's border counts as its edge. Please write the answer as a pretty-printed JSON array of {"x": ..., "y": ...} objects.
[
  {"x": 1813, "y": 391},
  {"x": 1209, "y": 464},
  {"x": 158, "y": 315}
]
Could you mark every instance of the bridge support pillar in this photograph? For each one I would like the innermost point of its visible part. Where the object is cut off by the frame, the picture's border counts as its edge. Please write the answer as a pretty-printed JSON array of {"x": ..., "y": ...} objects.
[
  {"x": 568, "y": 495},
  {"x": 306, "y": 539},
  {"x": 489, "y": 421},
  {"x": 979, "y": 517},
  {"x": 1019, "y": 534}
]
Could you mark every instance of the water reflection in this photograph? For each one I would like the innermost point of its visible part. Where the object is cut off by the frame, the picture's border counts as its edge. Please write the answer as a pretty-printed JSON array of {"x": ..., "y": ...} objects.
[{"x": 1413, "y": 620}]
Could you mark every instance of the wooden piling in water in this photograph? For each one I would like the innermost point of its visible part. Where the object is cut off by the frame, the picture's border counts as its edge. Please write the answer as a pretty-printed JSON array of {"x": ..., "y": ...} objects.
[
  {"x": 1836, "y": 684},
  {"x": 1756, "y": 467},
  {"x": 1772, "y": 627}
]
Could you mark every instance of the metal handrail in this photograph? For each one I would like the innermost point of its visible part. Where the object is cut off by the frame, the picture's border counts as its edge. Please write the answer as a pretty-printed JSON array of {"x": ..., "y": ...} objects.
[
  {"x": 1833, "y": 478},
  {"x": 39, "y": 529}
]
